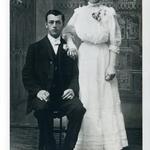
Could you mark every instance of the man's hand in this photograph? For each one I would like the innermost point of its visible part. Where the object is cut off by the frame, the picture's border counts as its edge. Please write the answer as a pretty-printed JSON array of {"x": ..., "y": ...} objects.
[
  {"x": 68, "y": 94},
  {"x": 43, "y": 95}
]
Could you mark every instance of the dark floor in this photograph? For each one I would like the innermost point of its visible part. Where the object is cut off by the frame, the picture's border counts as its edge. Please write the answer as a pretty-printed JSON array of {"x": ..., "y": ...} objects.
[{"x": 27, "y": 139}]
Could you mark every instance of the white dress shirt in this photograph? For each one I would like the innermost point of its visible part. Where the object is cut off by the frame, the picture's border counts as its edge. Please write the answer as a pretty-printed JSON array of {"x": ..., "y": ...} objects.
[{"x": 54, "y": 42}]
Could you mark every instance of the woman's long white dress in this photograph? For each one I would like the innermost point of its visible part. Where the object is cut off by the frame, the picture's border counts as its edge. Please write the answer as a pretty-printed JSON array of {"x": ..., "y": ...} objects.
[{"x": 103, "y": 124}]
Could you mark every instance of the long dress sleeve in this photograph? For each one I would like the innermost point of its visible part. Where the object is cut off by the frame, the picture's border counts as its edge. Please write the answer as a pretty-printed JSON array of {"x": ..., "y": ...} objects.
[
  {"x": 69, "y": 32},
  {"x": 69, "y": 29},
  {"x": 114, "y": 32}
]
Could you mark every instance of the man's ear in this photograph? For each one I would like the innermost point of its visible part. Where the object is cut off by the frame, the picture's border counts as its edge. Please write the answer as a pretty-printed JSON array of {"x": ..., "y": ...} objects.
[{"x": 46, "y": 25}]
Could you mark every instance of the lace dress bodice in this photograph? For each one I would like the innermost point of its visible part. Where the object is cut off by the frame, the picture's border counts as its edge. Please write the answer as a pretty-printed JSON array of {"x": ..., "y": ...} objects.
[{"x": 95, "y": 31}]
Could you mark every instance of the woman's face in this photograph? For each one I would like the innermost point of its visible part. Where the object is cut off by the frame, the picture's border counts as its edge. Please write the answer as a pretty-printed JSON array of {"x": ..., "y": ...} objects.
[{"x": 94, "y": 1}]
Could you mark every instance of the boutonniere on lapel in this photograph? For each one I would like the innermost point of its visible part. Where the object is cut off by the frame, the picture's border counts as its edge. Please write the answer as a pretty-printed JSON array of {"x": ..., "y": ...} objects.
[
  {"x": 99, "y": 14},
  {"x": 65, "y": 47}
]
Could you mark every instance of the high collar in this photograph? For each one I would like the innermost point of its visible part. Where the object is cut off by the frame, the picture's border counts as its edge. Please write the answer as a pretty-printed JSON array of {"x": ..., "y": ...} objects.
[
  {"x": 54, "y": 40},
  {"x": 94, "y": 5}
]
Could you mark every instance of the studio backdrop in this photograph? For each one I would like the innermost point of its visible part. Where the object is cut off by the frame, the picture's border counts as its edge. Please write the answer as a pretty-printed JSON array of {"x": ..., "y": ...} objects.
[{"x": 27, "y": 26}]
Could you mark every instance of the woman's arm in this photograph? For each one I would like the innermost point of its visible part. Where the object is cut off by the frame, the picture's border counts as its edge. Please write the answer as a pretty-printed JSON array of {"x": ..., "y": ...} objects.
[
  {"x": 111, "y": 71},
  {"x": 70, "y": 35},
  {"x": 115, "y": 41}
]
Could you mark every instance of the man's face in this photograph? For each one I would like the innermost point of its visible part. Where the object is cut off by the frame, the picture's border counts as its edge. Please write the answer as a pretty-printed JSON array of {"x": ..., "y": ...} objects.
[{"x": 54, "y": 25}]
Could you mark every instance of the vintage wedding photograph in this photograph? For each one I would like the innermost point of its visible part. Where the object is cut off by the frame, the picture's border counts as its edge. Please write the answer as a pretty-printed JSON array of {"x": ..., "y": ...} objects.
[{"x": 76, "y": 74}]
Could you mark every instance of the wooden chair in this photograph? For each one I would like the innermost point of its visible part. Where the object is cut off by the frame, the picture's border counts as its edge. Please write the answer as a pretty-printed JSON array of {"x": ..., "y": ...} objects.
[{"x": 61, "y": 129}]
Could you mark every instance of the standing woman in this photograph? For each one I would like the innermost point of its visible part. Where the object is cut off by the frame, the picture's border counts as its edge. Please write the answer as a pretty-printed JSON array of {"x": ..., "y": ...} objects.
[{"x": 97, "y": 27}]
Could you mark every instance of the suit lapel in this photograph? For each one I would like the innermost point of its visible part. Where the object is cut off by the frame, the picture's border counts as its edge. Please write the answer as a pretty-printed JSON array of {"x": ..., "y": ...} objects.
[
  {"x": 50, "y": 50},
  {"x": 48, "y": 47},
  {"x": 61, "y": 55},
  {"x": 60, "y": 48}
]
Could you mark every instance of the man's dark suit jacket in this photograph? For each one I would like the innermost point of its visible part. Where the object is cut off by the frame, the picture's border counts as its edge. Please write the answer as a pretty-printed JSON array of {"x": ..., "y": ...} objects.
[{"x": 38, "y": 71}]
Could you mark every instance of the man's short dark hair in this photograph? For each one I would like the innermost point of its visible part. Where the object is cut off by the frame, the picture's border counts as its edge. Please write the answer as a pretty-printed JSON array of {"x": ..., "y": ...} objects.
[{"x": 56, "y": 13}]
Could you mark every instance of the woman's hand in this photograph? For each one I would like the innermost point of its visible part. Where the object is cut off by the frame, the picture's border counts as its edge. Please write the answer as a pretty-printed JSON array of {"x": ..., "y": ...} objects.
[
  {"x": 72, "y": 52},
  {"x": 110, "y": 73}
]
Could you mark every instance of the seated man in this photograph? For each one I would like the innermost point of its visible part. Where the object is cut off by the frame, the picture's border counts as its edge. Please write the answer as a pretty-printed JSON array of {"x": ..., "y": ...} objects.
[{"x": 51, "y": 79}]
